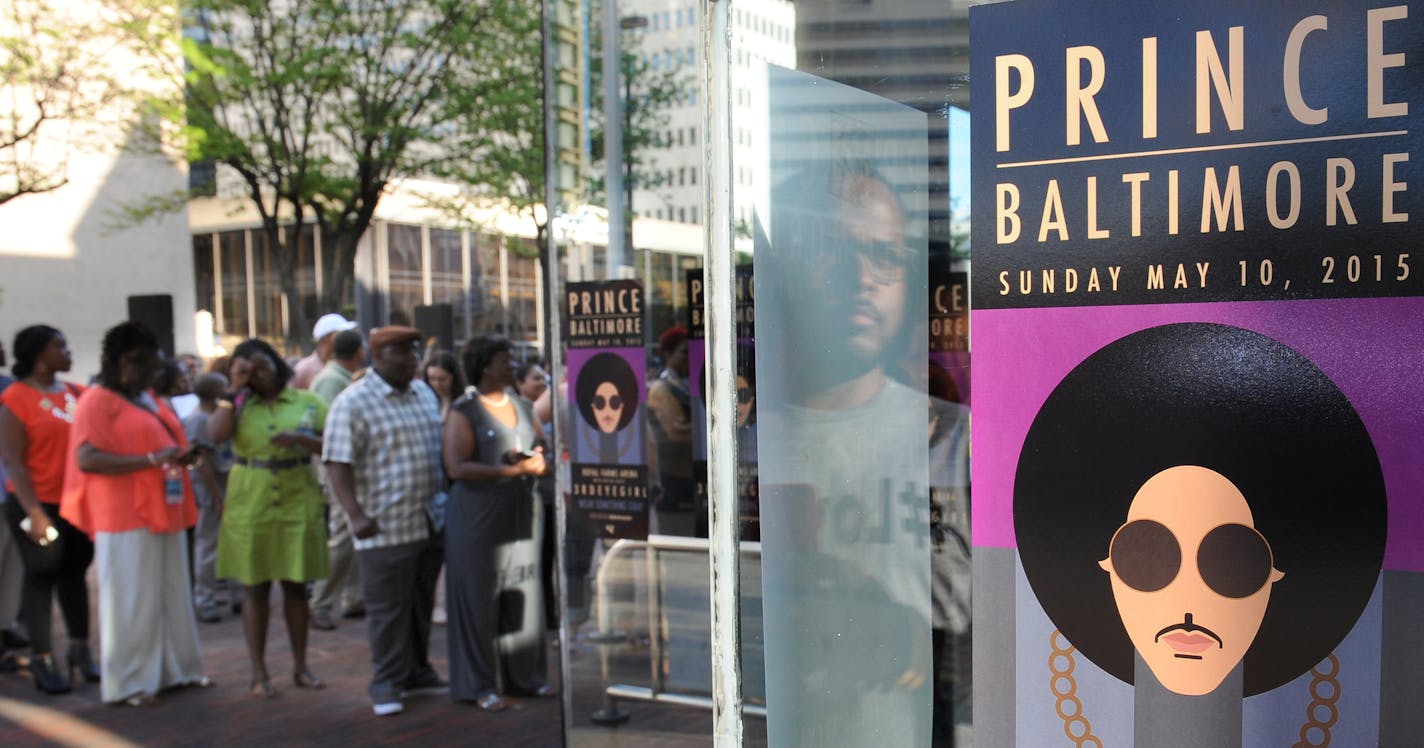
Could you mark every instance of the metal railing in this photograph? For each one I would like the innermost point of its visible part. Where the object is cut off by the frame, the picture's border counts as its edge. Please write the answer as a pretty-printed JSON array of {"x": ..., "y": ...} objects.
[{"x": 608, "y": 637}]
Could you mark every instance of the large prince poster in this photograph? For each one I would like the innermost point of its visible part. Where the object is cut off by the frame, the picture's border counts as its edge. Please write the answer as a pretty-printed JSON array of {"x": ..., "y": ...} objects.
[{"x": 1196, "y": 294}]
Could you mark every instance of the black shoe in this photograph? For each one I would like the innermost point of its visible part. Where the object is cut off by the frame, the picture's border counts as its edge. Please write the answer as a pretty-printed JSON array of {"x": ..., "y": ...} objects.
[
  {"x": 12, "y": 639},
  {"x": 81, "y": 660},
  {"x": 47, "y": 675}
]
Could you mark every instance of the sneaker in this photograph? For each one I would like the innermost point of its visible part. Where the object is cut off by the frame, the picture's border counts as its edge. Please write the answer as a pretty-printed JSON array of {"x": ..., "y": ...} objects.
[
  {"x": 387, "y": 708},
  {"x": 431, "y": 684},
  {"x": 321, "y": 621}
]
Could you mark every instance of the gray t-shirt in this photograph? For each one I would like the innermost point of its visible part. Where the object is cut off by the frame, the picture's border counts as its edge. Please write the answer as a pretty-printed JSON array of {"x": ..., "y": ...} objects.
[{"x": 846, "y": 571}]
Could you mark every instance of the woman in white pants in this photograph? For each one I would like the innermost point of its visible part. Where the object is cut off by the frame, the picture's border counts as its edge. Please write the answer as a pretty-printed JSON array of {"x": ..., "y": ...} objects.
[{"x": 126, "y": 485}]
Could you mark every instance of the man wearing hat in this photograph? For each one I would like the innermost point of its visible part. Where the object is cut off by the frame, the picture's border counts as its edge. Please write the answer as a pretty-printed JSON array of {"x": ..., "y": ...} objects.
[
  {"x": 381, "y": 447},
  {"x": 324, "y": 332}
]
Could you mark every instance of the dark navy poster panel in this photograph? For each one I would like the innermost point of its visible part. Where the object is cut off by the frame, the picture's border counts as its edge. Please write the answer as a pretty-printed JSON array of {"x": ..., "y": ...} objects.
[
  {"x": 1196, "y": 303},
  {"x": 745, "y": 310},
  {"x": 607, "y": 369}
]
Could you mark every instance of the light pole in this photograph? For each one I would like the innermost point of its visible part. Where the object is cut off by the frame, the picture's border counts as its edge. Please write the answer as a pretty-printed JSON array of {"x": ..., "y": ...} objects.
[
  {"x": 614, "y": 118},
  {"x": 625, "y": 24}
]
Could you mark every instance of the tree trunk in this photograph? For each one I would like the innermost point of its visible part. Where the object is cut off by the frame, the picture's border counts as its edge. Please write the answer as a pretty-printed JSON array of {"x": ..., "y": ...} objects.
[{"x": 298, "y": 327}]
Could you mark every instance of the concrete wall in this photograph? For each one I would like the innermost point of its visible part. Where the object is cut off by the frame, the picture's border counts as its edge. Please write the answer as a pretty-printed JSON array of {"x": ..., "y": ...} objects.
[
  {"x": 67, "y": 258},
  {"x": 65, "y": 261}
]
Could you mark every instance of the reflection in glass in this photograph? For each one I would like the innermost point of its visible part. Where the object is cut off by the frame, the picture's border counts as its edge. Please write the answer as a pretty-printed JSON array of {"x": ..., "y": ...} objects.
[{"x": 843, "y": 467}]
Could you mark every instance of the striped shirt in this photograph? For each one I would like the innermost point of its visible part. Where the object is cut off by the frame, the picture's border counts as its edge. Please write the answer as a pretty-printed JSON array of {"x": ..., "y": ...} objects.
[{"x": 391, "y": 439}]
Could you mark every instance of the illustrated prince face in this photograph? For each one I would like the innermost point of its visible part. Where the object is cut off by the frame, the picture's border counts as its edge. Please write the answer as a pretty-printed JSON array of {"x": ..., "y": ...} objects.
[
  {"x": 1195, "y": 497},
  {"x": 607, "y": 407},
  {"x": 1191, "y": 577},
  {"x": 606, "y": 392}
]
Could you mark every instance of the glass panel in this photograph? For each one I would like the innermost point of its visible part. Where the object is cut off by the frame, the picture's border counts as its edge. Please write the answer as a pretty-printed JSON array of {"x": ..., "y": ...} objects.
[
  {"x": 638, "y": 618},
  {"x": 204, "y": 288},
  {"x": 232, "y": 257},
  {"x": 306, "y": 275},
  {"x": 523, "y": 299},
  {"x": 406, "y": 284},
  {"x": 267, "y": 283},
  {"x": 486, "y": 303},
  {"x": 844, "y": 185},
  {"x": 447, "y": 279}
]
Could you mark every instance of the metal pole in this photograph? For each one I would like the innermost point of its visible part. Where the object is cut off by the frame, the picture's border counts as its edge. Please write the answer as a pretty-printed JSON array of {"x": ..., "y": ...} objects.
[
  {"x": 613, "y": 135},
  {"x": 725, "y": 559},
  {"x": 556, "y": 360},
  {"x": 628, "y": 255}
]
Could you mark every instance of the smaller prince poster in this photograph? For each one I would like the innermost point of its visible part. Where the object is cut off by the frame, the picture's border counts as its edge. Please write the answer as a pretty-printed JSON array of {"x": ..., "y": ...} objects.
[{"x": 607, "y": 369}]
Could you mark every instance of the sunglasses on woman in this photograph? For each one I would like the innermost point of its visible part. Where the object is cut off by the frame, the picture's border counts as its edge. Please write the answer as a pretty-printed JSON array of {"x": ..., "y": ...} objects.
[{"x": 615, "y": 403}]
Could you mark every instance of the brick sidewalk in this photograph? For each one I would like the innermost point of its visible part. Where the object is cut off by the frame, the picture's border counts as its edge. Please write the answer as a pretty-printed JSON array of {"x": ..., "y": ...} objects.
[{"x": 226, "y": 716}]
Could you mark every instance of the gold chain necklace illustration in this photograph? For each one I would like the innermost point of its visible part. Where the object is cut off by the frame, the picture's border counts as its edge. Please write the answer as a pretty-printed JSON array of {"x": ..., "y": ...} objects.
[{"x": 1079, "y": 730}]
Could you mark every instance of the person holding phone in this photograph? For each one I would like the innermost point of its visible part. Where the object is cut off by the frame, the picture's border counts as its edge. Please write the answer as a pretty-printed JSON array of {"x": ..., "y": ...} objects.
[
  {"x": 273, "y": 525},
  {"x": 493, "y": 452},
  {"x": 35, "y": 417},
  {"x": 126, "y": 485}
]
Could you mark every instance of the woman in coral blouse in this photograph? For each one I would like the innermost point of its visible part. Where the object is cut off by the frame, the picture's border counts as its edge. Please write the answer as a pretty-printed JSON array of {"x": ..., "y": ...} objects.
[
  {"x": 126, "y": 485},
  {"x": 35, "y": 413}
]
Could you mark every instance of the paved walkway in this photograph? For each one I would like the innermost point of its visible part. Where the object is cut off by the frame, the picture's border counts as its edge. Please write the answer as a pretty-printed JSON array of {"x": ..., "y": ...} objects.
[{"x": 225, "y": 715}]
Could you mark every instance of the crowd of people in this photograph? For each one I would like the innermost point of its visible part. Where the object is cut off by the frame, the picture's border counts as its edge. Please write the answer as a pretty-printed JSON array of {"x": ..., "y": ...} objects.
[{"x": 353, "y": 479}]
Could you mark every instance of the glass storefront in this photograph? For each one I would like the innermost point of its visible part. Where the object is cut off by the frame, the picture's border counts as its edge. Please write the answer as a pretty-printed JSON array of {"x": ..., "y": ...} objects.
[{"x": 839, "y": 132}]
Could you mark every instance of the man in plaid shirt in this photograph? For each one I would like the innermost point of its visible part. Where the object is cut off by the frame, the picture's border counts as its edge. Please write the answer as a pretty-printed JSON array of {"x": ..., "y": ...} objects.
[{"x": 382, "y": 452}]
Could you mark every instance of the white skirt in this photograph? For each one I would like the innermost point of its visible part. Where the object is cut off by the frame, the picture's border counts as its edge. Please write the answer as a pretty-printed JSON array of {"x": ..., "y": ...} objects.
[{"x": 148, "y": 635}]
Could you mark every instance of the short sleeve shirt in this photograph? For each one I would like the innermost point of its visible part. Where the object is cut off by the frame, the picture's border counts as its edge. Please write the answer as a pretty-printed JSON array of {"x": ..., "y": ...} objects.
[
  {"x": 391, "y": 439},
  {"x": 46, "y": 417}
]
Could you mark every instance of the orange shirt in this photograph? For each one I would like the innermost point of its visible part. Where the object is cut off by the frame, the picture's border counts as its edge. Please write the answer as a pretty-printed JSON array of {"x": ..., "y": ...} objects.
[
  {"x": 46, "y": 417},
  {"x": 97, "y": 503}
]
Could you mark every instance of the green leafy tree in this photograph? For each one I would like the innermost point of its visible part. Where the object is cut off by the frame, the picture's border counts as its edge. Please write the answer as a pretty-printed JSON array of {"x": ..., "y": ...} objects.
[
  {"x": 505, "y": 136},
  {"x": 317, "y": 105}
]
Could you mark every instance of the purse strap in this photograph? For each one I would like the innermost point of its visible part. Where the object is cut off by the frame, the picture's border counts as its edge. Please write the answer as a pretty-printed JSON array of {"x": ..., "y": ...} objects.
[{"x": 153, "y": 412}]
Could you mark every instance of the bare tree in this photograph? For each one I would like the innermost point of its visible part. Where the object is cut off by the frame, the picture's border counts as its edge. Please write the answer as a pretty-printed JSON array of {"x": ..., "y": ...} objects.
[{"x": 76, "y": 77}]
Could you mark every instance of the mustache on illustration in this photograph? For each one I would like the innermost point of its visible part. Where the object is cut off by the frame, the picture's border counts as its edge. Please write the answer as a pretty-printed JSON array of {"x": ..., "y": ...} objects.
[{"x": 1191, "y": 628}]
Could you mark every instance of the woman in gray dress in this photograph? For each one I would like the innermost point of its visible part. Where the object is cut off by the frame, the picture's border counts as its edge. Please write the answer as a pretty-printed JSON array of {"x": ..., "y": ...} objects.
[{"x": 494, "y": 454}]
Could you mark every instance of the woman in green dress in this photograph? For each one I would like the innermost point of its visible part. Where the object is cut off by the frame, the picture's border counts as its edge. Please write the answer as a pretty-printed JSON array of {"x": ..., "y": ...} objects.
[{"x": 272, "y": 525}]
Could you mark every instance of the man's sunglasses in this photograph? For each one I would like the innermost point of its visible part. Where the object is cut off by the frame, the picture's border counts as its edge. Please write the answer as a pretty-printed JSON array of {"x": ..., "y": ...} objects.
[
  {"x": 1234, "y": 560},
  {"x": 615, "y": 402}
]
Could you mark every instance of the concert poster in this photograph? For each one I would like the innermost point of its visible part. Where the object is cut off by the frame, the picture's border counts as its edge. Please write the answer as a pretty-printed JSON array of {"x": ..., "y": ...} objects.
[{"x": 1196, "y": 302}]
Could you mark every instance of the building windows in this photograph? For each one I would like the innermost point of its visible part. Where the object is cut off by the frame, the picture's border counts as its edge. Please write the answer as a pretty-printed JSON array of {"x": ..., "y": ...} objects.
[
  {"x": 405, "y": 287},
  {"x": 232, "y": 282},
  {"x": 412, "y": 265}
]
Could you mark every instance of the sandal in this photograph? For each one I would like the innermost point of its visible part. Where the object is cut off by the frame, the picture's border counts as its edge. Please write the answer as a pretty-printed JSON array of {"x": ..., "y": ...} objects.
[
  {"x": 262, "y": 689},
  {"x": 305, "y": 679},
  {"x": 491, "y": 702},
  {"x": 141, "y": 699}
]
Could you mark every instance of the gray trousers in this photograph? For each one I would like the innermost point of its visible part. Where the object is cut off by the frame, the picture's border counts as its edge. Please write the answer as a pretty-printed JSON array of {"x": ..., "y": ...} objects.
[
  {"x": 207, "y": 589},
  {"x": 399, "y": 586},
  {"x": 340, "y": 591}
]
